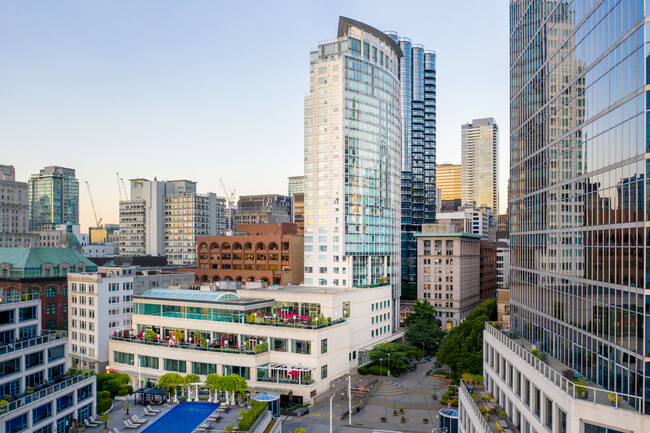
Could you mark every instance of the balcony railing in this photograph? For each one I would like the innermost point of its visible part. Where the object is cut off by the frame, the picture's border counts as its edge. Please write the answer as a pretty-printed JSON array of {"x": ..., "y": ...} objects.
[
  {"x": 289, "y": 382},
  {"x": 599, "y": 396},
  {"x": 469, "y": 405},
  {"x": 18, "y": 297},
  {"x": 35, "y": 341},
  {"x": 187, "y": 346},
  {"x": 26, "y": 399}
]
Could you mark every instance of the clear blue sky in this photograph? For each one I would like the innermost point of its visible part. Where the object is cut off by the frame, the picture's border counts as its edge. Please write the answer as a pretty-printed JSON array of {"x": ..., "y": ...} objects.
[{"x": 208, "y": 89}]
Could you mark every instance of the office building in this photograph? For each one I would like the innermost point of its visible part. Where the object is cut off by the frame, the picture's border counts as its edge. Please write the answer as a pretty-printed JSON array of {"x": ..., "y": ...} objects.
[
  {"x": 14, "y": 211},
  {"x": 503, "y": 264},
  {"x": 43, "y": 271},
  {"x": 101, "y": 305},
  {"x": 353, "y": 170},
  {"x": 449, "y": 273},
  {"x": 104, "y": 233},
  {"x": 468, "y": 220},
  {"x": 53, "y": 198},
  {"x": 449, "y": 181},
  {"x": 268, "y": 253},
  {"x": 63, "y": 236},
  {"x": 488, "y": 270},
  {"x": 261, "y": 209},
  {"x": 417, "y": 75},
  {"x": 319, "y": 334},
  {"x": 165, "y": 217},
  {"x": 578, "y": 252},
  {"x": 297, "y": 196},
  {"x": 480, "y": 164},
  {"x": 40, "y": 394}
]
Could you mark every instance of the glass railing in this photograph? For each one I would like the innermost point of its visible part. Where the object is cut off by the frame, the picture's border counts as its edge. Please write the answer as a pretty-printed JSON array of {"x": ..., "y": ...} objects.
[
  {"x": 18, "y": 297},
  {"x": 468, "y": 404},
  {"x": 35, "y": 341},
  {"x": 594, "y": 395},
  {"x": 285, "y": 381},
  {"x": 187, "y": 346},
  {"x": 26, "y": 399}
]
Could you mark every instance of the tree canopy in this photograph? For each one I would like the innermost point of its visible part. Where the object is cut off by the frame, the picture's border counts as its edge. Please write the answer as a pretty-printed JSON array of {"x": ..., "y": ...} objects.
[
  {"x": 400, "y": 353},
  {"x": 191, "y": 378},
  {"x": 111, "y": 382},
  {"x": 422, "y": 329},
  {"x": 170, "y": 381},
  {"x": 462, "y": 348}
]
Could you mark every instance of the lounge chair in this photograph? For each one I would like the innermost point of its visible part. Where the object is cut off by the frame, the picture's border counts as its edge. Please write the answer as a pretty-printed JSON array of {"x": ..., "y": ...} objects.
[
  {"x": 94, "y": 421},
  {"x": 128, "y": 424},
  {"x": 137, "y": 420},
  {"x": 152, "y": 409},
  {"x": 115, "y": 430},
  {"x": 147, "y": 413},
  {"x": 90, "y": 424}
]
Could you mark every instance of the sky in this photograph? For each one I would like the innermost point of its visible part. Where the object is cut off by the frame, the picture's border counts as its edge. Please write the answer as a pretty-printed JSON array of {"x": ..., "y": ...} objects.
[{"x": 209, "y": 90}]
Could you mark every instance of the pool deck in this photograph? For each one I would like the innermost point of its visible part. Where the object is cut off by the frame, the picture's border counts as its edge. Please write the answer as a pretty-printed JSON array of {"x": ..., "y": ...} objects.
[{"x": 118, "y": 417}]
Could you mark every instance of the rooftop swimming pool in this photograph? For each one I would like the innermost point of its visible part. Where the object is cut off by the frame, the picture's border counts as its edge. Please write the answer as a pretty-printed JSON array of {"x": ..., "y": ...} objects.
[{"x": 183, "y": 418}]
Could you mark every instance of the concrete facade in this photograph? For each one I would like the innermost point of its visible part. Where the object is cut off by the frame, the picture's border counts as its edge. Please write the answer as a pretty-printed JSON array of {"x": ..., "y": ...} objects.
[
  {"x": 449, "y": 274},
  {"x": 14, "y": 211}
]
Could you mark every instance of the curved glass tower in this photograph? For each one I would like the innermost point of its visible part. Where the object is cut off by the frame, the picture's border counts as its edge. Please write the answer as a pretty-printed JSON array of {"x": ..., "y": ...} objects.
[
  {"x": 352, "y": 162},
  {"x": 417, "y": 74}
]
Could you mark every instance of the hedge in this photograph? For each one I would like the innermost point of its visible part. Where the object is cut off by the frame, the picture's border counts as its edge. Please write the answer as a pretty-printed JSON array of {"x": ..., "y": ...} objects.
[
  {"x": 251, "y": 416},
  {"x": 104, "y": 404}
]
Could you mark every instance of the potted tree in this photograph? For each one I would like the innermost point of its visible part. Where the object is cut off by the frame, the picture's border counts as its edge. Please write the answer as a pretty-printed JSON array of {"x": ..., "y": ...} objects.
[
  {"x": 403, "y": 419},
  {"x": 126, "y": 407},
  {"x": 394, "y": 412},
  {"x": 105, "y": 418},
  {"x": 383, "y": 419}
]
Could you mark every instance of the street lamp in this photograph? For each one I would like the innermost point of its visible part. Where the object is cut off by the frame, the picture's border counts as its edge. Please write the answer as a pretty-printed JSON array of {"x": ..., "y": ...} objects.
[
  {"x": 388, "y": 365},
  {"x": 380, "y": 369},
  {"x": 331, "y": 398}
]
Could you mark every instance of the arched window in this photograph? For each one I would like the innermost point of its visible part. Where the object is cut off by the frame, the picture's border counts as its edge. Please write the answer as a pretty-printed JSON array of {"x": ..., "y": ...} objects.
[
  {"x": 203, "y": 246},
  {"x": 260, "y": 246},
  {"x": 225, "y": 246},
  {"x": 236, "y": 246},
  {"x": 273, "y": 246},
  {"x": 51, "y": 292},
  {"x": 214, "y": 246},
  {"x": 248, "y": 246}
]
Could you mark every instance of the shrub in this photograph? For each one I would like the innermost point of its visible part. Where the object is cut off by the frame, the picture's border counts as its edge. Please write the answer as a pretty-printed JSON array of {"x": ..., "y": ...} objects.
[
  {"x": 261, "y": 348},
  {"x": 104, "y": 404},
  {"x": 3, "y": 402},
  {"x": 251, "y": 416},
  {"x": 468, "y": 378},
  {"x": 478, "y": 379},
  {"x": 103, "y": 394},
  {"x": 503, "y": 413},
  {"x": 444, "y": 400}
]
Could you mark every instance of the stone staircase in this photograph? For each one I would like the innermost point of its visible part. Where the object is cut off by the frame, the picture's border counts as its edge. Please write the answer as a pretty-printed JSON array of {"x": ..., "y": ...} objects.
[{"x": 389, "y": 388}]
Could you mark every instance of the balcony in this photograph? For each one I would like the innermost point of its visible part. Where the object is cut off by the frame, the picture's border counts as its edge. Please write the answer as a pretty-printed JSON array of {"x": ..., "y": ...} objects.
[
  {"x": 186, "y": 346},
  {"x": 551, "y": 371},
  {"x": 25, "y": 399},
  {"x": 35, "y": 341}
]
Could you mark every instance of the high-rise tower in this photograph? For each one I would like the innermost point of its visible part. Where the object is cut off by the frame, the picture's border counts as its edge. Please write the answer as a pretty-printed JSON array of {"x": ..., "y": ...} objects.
[
  {"x": 353, "y": 160},
  {"x": 53, "y": 198},
  {"x": 576, "y": 356},
  {"x": 480, "y": 164},
  {"x": 417, "y": 74}
]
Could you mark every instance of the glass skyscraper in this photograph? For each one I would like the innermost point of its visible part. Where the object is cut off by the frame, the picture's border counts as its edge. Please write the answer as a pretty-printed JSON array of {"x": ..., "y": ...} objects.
[
  {"x": 578, "y": 213},
  {"x": 352, "y": 162},
  {"x": 53, "y": 198},
  {"x": 480, "y": 164},
  {"x": 417, "y": 75}
]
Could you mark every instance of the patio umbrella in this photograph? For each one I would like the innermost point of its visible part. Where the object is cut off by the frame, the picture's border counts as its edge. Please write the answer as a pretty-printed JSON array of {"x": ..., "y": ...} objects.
[
  {"x": 304, "y": 317},
  {"x": 279, "y": 313},
  {"x": 294, "y": 373},
  {"x": 291, "y": 316}
]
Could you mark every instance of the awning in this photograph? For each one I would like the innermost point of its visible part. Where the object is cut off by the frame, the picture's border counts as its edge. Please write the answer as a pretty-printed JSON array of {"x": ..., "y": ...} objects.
[{"x": 151, "y": 391}]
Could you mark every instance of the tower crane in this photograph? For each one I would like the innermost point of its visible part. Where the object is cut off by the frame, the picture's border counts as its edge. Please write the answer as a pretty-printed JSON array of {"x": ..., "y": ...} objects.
[
  {"x": 126, "y": 194},
  {"x": 119, "y": 189},
  {"x": 92, "y": 203},
  {"x": 230, "y": 197}
]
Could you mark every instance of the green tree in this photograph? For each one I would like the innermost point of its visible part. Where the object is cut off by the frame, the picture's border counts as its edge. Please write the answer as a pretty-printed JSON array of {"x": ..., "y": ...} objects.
[
  {"x": 171, "y": 382},
  {"x": 422, "y": 328},
  {"x": 191, "y": 378},
  {"x": 112, "y": 382},
  {"x": 462, "y": 348},
  {"x": 400, "y": 353},
  {"x": 105, "y": 418}
]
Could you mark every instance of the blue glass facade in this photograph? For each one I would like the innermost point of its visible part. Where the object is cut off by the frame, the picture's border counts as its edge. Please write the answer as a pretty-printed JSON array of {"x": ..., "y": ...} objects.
[
  {"x": 417, "y": 74},
  {"x": 53, "y": 198},
  {"x": 578, "y": 212}
]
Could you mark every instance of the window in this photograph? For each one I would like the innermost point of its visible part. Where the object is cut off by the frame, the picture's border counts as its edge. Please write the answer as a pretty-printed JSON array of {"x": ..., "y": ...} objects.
[
  {"x": 123, "y": 358},
  {"x": 55, "y": 353},
  {"x": 323, "y": 346},
  {"x": 27, "y": 313},
  {"x": 64, "y": 422},
  {"x": 301, "y": 346},
  {"x": 7, "y": 317},
  {"x": 538, "y": 402},
  {"x": 50, "y": 292},
  {"x": 64, "y": 402},
  {"x": 9, "y": 367},
  {"x": 148, "y": 361},
  {"x": 55, "y": 371},
  {"x": 41, "y": 412},
  {"x": 549, "y": 413},
  {"x": 244, "y": 372},
  {"x": 34, "y": 379},
  {"x": 175, "y": 365},
  {"x": 33, "y": 359},
  {"x": 10, "y": 388},
  {"x": 16, "y": 424},
  {"x": 279, "y": 344},
  {"x": 84, "y": 393},
  {"x": 323, "y": 372},
  {"x": 45, "y": 429},
  {"x": 203, "y": 368}
]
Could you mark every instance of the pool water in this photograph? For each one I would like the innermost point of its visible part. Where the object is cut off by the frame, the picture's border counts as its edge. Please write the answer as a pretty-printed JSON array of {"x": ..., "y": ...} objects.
[{"x": 183, "y": 418}]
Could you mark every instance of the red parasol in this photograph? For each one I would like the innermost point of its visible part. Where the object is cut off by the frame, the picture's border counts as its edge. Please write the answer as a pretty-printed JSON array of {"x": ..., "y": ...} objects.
[
  {"x": 280, "y": 313},
  {"x": 304, "y": 317},
  {"x": 294, "y": 373},
  {"x": 291, "y": 316}
]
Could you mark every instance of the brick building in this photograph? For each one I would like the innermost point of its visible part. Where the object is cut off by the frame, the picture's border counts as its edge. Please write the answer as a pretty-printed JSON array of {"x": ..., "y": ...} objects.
[
  {"x": 488, "y": 270},
  {"x": 43, "y": 270},
  {"x": 271, "y": 253}
]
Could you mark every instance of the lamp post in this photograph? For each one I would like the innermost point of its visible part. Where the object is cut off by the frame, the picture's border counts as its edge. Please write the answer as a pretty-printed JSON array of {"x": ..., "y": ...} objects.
[
  {"x": 380, "y": 368},
  {"x": 331, "y": 398},
  {"x": 388, "y": 365}
]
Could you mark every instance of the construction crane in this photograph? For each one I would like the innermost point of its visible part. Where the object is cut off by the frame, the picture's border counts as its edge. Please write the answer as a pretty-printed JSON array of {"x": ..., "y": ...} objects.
[
  {"x": 230, "y": 197},
  {"x": 119, "y": 189},
  {"x": 126, "y": 194},
  {"x": 92, "y": 203}
]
